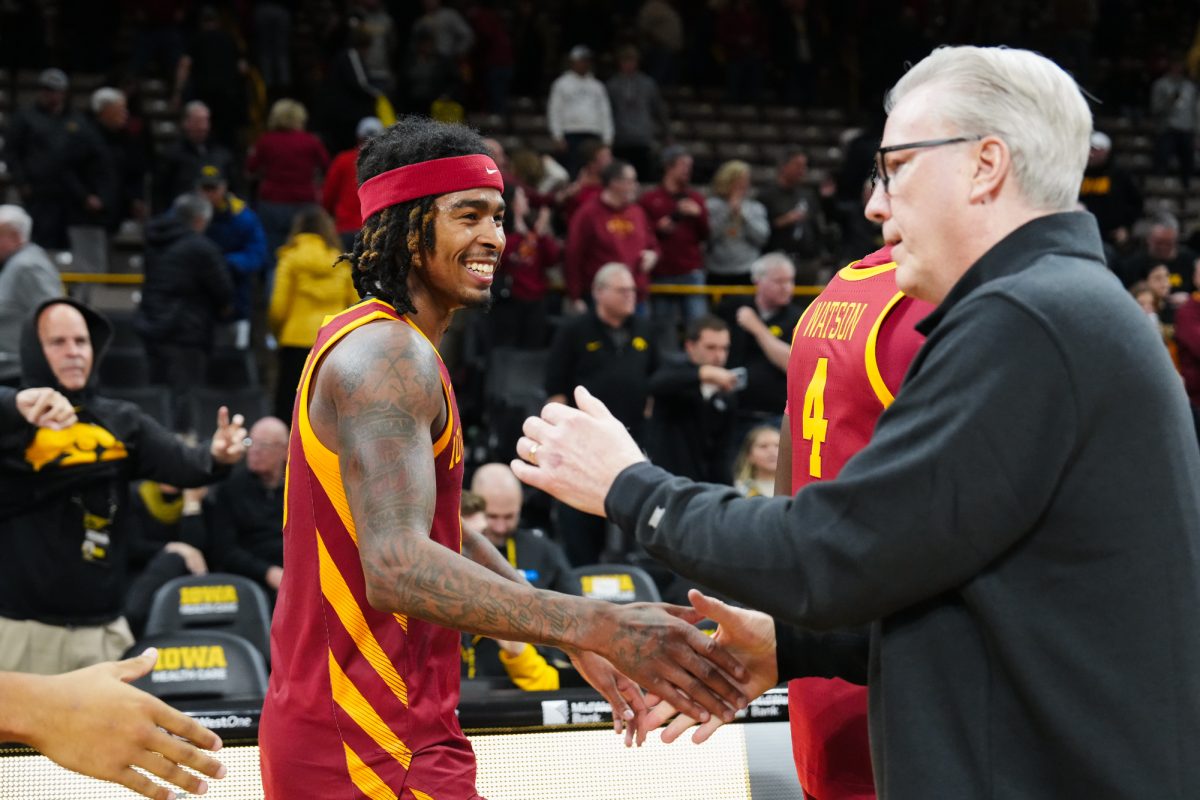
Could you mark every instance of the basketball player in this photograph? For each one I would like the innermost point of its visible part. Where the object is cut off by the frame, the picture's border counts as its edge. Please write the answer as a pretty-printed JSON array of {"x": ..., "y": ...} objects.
[{"x": 365, "y": 676}]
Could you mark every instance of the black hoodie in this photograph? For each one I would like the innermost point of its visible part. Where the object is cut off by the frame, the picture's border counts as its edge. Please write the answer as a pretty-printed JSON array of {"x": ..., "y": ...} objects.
[
  {"x": 187, "y": 286},
  {"x": 64, "y": 495}
]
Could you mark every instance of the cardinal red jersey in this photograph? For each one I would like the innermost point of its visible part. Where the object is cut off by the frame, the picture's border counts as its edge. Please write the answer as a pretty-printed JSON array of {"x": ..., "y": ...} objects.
[
  {"x": 361, "y": 703},
  {"x": 850, "y": 351}
]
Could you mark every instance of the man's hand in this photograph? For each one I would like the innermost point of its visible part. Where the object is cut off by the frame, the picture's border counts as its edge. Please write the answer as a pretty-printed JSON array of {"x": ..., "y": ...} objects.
[
  {"x": 274, "y": 577},
  {"x": 46, "y": 408},
  {"x": 749, "y": 321},
  {"x": 575, "y": 454},
  {"x": 688, "y": 207},
  {"x": 229, "y": 441},
  {"x": 659, "y": 647},
  {"x": 749, "y": 635},
  {"x": 724, "y": 379},
  {"x": 647, "y": 261},
  {"x": 622, "y": 694},
  {"x": 193, "y": 559},
  {"x": 92, "y": 722}
]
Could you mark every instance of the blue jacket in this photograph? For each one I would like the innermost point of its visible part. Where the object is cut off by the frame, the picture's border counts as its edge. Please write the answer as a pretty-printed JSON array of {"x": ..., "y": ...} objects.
[{"x": 236, "y": 230}]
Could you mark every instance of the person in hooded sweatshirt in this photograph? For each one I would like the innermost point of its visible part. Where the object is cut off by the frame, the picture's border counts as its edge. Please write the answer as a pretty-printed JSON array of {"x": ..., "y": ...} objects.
[
  {"x": 67, "y": 457},
  {"x": 187, "y": 291}
]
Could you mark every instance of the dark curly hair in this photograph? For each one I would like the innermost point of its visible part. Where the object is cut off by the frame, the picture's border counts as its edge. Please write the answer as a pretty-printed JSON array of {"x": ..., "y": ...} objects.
[{"x": 391, "y": 239}]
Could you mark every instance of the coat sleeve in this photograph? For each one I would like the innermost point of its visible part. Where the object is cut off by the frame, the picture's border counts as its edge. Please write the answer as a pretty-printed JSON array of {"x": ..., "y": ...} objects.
[
  {"x": 961, "y": 466},
  {"x": 163, "y": 458}
]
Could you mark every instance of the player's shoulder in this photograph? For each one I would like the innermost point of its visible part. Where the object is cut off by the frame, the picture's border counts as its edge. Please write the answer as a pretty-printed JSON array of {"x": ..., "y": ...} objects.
[{"x": 384, "y": 354}]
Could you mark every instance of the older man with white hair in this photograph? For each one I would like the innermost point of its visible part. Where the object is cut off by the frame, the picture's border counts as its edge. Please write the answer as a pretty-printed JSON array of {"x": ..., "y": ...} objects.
[
  {"x": 26, "y": 279},
  {"x": 1028, "y": 560}
]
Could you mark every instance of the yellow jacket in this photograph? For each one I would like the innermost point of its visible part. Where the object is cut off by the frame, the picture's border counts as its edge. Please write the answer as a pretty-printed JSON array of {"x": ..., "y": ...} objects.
[{"x": 307, "y": 289}]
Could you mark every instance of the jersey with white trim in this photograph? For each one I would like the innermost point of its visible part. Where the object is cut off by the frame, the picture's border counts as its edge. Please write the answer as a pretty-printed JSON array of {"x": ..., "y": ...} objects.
[{"x": 361, "y": 702}]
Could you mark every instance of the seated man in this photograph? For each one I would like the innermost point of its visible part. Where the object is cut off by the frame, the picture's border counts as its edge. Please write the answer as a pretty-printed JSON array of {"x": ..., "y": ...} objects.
[{"x": 245, "y": 512}]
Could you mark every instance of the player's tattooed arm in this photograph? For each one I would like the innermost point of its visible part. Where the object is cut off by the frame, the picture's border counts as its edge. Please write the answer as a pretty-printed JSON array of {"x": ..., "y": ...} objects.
[
  {"x": 476, "y": 547},
  {"x": 377, "y": 402}
]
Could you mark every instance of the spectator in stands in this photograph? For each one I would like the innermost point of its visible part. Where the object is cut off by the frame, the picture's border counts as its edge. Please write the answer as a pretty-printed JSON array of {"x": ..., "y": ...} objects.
[
  {"x": 167, "y": 539},
  {"x": 754, "y": 467},
  {"x": 1110, "y": 193},
  {"x": 178, "y": 167},
  {"x": 309, "y": 285},
  {"x": 660, "y": 29},
  {"x": 157, "y": 37},
  {"x": 1175, "y": 110},
  {"x": 27, "y": 278},
  {"x": 288, "y": 162},
  {"x": 451, "y": 35},
  {"x": 578, "y": 109},
  {"x": 638, "y": 112},
  {"x": 187, "y": 291},
  {"x": 529, "y": 551},
  {"x": 762, "y": 328},
  {"x": 213, "y": 70},
  {"x": 237, "y": 232},
  {"x": 484, "y": 657},
  {"x": 1187, "y": 340},
  {"x": 125, "y": 189},
  {"x": 346, "y": 95},
  {"x": 339, "y": 194},
  {"x": 428, "y": 75},
  {"x": 1162, "y": 247},
  {"x": 519, "y": 312},
  {"x": 738, "y": 225},
  {"x": 492, "y": 59},
  {"x": 272, "y": 35},
  {"x": 244, "y": 513},
  {"x": 595, "y": 156},
  {"x": 680, "y": 219},
  {"x": 372, "y": 18},
  {"x": 742, "y": 37},
  {"x": 797, "y": 220},
  {"x": 67, "y": 456},
  {"x": 691, "y": 429},
  {"x": 53, "y": 158},
  {"x": 610, "y": 351},
  {"x": 611, "y": 227},
  {"x": 1158, "y": 280}
]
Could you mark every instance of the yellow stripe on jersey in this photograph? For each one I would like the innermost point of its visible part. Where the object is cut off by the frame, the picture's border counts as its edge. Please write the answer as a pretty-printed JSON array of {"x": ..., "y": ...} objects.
[
  {"x": 418, "y": 795},
  {"x": 350, "y": 700},
  {"x": 856, "y": 273},
  {"x": 365, "y": 778},
  {"x": 444, "y": 438},
  {"x": 337, "y": 592},
  {"x": 877, "y": 383},
  {"x": 403, "y": 620}
]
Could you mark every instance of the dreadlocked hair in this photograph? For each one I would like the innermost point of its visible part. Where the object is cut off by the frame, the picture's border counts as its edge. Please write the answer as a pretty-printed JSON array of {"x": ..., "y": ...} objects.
[{"x": 391, "y": 240}]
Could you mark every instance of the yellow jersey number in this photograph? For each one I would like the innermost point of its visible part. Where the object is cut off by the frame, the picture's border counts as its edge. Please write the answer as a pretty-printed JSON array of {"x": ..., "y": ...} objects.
[{"x": 815, "y": 425}]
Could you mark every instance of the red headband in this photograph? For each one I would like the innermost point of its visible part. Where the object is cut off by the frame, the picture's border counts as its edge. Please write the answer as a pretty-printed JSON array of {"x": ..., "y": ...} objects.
[{"x": 439, "y": 176}]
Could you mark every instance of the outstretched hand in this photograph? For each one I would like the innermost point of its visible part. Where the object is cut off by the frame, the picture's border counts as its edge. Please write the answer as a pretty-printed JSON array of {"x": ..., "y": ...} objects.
[
  {"x": 229, "y": 440},
  {"x": 44, "y": 407},
  {"x": 748, "y": 635},
  {"x": 575, "y": 454},
  {"x": 625, "y": 696},
  {"x": 659, "y": 647},
  {"x": 91, "y": 721}
]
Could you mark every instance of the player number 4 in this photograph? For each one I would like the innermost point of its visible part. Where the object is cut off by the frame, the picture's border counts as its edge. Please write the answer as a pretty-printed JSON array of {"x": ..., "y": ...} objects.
[{"x": 815, "y": 424}]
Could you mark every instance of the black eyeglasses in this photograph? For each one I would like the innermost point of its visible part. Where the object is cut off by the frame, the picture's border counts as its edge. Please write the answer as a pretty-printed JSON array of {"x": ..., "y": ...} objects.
[{"x": 879, "y": 168}]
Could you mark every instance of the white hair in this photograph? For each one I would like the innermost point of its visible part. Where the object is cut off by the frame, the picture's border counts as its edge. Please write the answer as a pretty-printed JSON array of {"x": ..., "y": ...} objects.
[
  {"x": 18, "y": 220},
  {"x": 768, "y": 261},
  {"x": 104, "y": 97},
  {"x": 606, "y": 273},
  {"x": 1021, "y": 97}
]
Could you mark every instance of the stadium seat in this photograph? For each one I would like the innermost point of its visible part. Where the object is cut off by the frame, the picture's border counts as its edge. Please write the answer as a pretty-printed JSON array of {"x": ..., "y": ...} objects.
[
  {"x": 204, "y": 402},
  {"x": 513, "y": 390},
  {"x": 154, "y": 400},
  {"x": 616, "y": 583},
  {"x": 216, "y": 601},
  {"x": 203, "y": 665}
]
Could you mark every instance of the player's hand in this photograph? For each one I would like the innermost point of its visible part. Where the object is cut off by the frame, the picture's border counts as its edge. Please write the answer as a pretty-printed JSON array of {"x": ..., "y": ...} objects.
[
  {"x": 46, "y": 408},
  {"x": 659, "y": 647},
  {"x": 91, "y": 721},
  {"x": 625, "y": 696},
  {"x": 748, "y": 635},
  {"x": 229, "y": 441}
]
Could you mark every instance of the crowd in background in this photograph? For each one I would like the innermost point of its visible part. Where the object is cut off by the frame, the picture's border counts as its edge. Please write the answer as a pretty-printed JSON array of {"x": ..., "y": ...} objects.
[{"x": 613, "y": 225}]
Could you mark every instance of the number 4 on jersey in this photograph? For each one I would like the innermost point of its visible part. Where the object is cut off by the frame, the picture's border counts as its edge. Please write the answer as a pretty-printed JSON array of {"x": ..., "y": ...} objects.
[{"x": 814, "y": 423}]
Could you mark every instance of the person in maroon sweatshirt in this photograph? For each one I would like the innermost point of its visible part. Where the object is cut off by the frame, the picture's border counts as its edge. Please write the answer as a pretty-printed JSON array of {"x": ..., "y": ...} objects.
[
  {"x": 339, "y": 195},
  {"x": 518, "y": 314},
  {"x": 680, "y": 221},
  {"x": 610, "y": 227}
]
